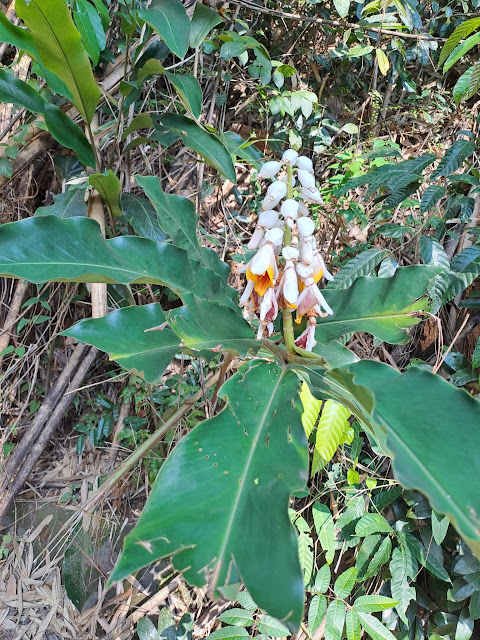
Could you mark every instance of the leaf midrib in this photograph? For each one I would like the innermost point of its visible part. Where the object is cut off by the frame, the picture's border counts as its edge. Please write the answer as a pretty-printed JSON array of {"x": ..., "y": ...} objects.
[{"x": 241, "y": 483}]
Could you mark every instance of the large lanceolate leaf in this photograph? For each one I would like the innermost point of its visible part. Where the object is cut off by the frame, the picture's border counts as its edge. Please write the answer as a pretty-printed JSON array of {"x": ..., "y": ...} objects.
[
  {"x": 142, "y": 216},
  {"x": 203, "y": 20},
  {"x": 430, "y": 444},
  {"x": 62, "y": 128},
  {"x": 225, "y": 489},
  {"x": 176, "y": 216},
  {"x": 125, "y": 335},
  {"x": 61, "y": 50},
  {"x": 207, "y": 325},
  {"x": 170, "y": 21},
  {"x": 171, "y": 127},
  {"x": 384, "y": 307},
  {"x": 50, "y": 249}
]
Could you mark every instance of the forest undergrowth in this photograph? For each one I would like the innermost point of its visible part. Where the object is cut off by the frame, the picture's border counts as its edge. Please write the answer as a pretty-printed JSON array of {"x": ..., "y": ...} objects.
[{"x": 139, "y": 142}]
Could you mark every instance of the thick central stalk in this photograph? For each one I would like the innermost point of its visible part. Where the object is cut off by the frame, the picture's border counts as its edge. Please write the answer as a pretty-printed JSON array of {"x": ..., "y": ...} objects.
[{"x": 288, "y": 334}]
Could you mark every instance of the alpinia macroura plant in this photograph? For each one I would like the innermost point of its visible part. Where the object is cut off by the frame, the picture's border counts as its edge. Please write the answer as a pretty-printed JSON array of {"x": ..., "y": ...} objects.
[{"x": 219, "y": 505}]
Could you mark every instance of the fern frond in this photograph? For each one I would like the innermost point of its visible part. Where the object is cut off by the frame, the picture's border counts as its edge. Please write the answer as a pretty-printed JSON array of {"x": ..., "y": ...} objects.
[
  {"x": 311, "y": 409},
  {"x": 332, "y": 430}
]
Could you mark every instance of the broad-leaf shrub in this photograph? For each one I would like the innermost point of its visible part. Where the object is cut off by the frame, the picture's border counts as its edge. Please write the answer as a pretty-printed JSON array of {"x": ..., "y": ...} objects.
[{"x": 219, "y": 505}]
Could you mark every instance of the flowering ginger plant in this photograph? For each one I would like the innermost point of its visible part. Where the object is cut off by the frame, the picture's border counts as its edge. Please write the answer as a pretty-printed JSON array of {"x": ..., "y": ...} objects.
[{"x": 288, "y": 266}]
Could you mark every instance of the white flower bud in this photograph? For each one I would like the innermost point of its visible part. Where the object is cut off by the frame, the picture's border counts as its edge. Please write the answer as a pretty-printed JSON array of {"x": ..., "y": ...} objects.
[
  {"x": 307, "y": 249},
  {"x": 256, "y": 238},
  {"x": 270, "y": 169},
  {"x": 285, "y": 179},
  {"x": 269, "y": 202},
  {"x": 268, "y": 219},
  {"x": 289, "y": 209},
  {"x": 305, "y": 164},
  {"x": 302, "y": 209},
  {"x": 275, "y": 236},
  {"x": 306, "y": 226},
  {"x": 290, "y": 253},
  {"x": 277, "y": 189},
  {"x": 304, "y": 270},
  {"x": 306, "y": 179},
  {"x": 290, "y": 157},
  {"x": 311, "y": 194}
]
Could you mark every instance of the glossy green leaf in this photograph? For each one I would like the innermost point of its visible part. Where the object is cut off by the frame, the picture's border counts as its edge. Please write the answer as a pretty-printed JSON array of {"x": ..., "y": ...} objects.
[
  {"x": 245, "y": 492},
  {"x": 464, "y": 630},
  {"x": 465, "y": 268},
  {"x": 460, "y": 33},
  {"x": 384, "y": 307},
  {"x": 335, "y": 620},
  {"x": 108, "y": 186},
  {"x": 330, "y": 433},
  {"x": 361, "y": 265},
  {"x": 335, "y": 354},
  {"x": 176, "y": 215},
  {"x": 62, "y": 128},
  {"x": 423, "y": 555},
  {"x": 352, "y": 625},
  {"x": 207, "y": 325},
  {"x": 272, "y": 628},
  {"x": 61, "y": 50},
  {"x": 431, "y": 196},
  {"x": 345, "y": 582},
  {"x": 142, "y": 216},
  {"x": 434, "y": 254},
  {"x": 170, "y": 21},
  {"x": 373, "y": 603},
  {"x": 372, "y": 523},
  {"x": 245, "y": 150},
  {"x": 402, "y": 568},
  {"x": 127, "y": 337},
  {"x": 418, "y": 396},
  {"x": 368, "y": 548},
  {"x": 189, "y": 91},
  {"x": 460, "y": 50},
  {"x": 237, "y": 616},
  {"x": 454, "y": 157},
  {"x": 342, "y": 6},
  {"x": 311, "y": 409},
  {"x": 16, "y": 36},
  {"x": 229, "y": 633},
  {"x": 146, "y": 630},
  {"x": 381, "y": 557},
  {"x": 36, "y": 249},
  {"x": 193, "y": 136},
  {"x": 462, "y": 86},
  {"x": 204, "y": 19},
  {"x": 325, "y": 529},
  {"x": 66, "y": 205},
  {"x": 89, "y": 25},
  {"x": 322, "y": 579},
  {"x": 439, "y": 527},
  {"x": 316, "y": 612},
  {"x": 373, "y": 626}
]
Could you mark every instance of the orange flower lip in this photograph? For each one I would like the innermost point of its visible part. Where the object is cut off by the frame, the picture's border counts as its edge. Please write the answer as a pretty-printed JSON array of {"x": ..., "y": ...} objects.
[{"x": 262, "y": 281}]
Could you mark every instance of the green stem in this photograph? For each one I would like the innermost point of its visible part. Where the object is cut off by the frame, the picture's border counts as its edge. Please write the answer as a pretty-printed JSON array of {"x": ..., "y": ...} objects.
[{"x": 288, "y": 331}]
